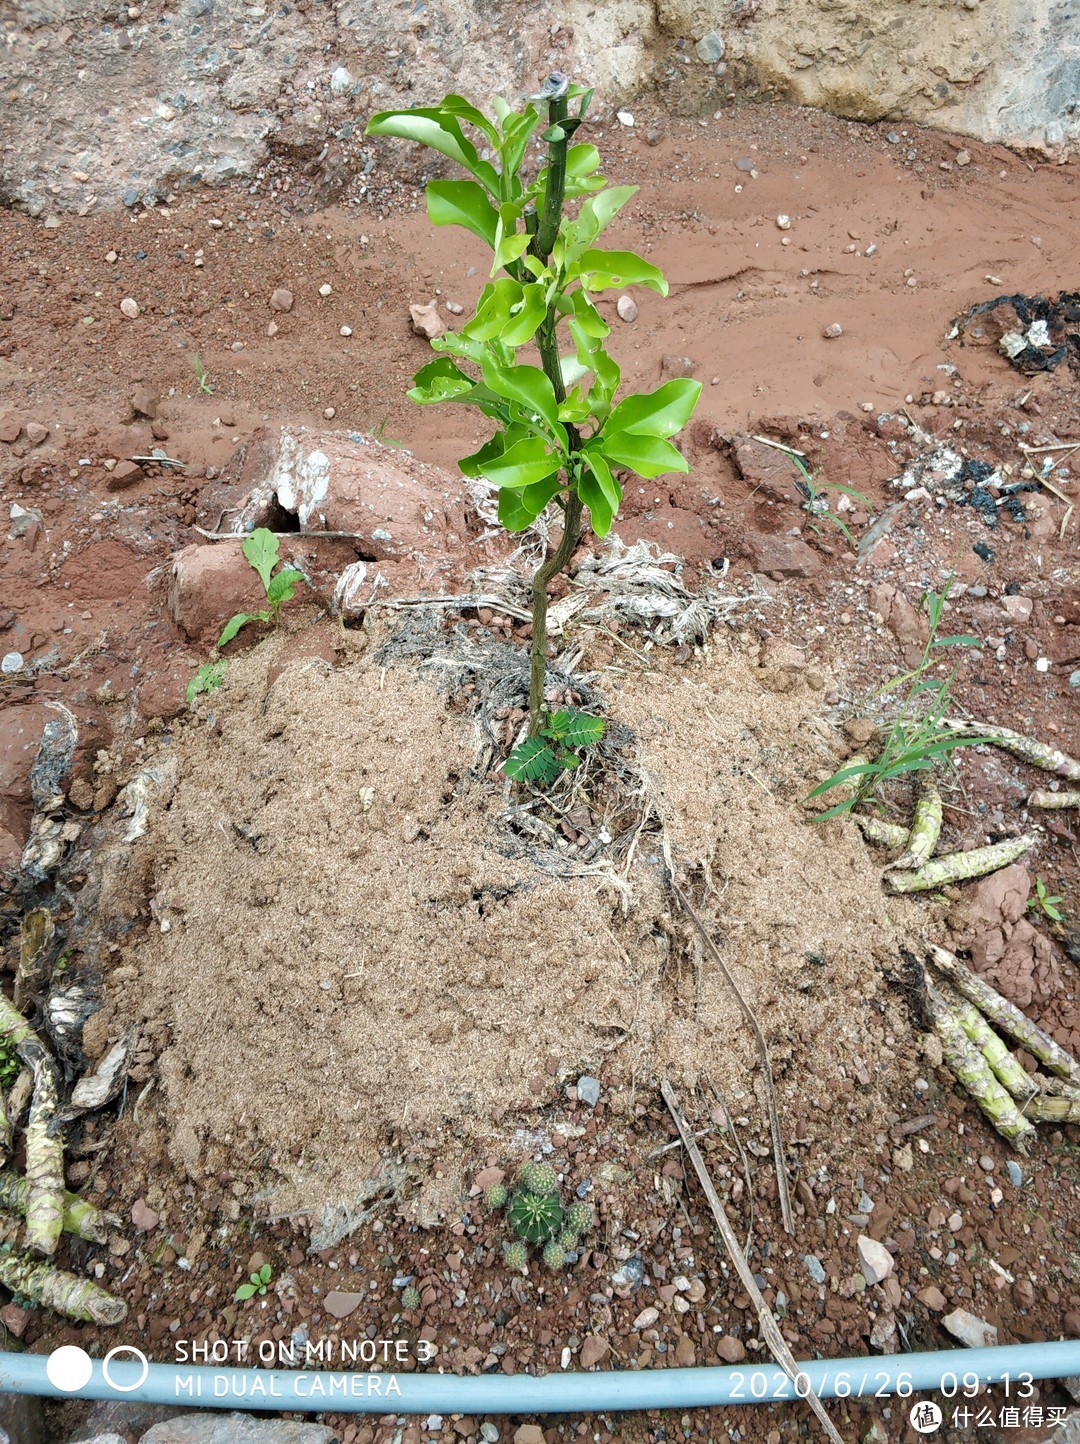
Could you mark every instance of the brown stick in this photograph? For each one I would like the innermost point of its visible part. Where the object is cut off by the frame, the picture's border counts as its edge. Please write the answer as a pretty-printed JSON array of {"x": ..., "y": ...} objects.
[
  {"x": 770, "y": 1331},
  {"x": 763, "y": 1052}
]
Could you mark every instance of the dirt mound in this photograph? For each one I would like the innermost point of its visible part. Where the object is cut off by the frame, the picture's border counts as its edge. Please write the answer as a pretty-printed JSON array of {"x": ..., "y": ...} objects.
[{"x": 350, "y": 947}]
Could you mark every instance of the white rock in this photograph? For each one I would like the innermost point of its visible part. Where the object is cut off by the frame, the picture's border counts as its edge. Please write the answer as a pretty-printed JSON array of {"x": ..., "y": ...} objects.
[
  {"x": 627, "y": 308},
  {"x": 831, "y": 332},
  {"x": 341, "y": 81},
  {"x": 129, "y": 308},
  {"x": 346, "y": 331},
  {"x": 783, "y": 223},
  {"x": 326, "y": 289},
  {"x": 875, "y": 1260},
  {"x": 624, "y": 117},
  {"x": 976, "y": 1333}
]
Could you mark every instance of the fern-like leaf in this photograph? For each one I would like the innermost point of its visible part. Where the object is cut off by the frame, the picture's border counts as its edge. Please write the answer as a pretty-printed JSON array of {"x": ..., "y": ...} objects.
[
  {"x": 532, "y": 761},
  {"x": 576, "y": 729}
]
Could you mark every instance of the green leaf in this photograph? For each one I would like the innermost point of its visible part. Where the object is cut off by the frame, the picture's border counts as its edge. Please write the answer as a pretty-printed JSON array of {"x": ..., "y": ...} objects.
[
  {"x": 464, "y": 110},
  {"x": 442, "y": 380},
  {"x": 574, "y": 729},
  {"x": 532, "y": 761},
  {"x": 603, "y": 270},
  {"x": 525, "y": 323},
  {"x": 440, "y": 130},
  {"x": 649, "y": 456},
  {"x": 513, "y": 512},
  {"x": 510, "y": 243},
  {"x": 662, "y": 412},
  {"x": 596, "y": 213},
  {"x": 588, "y": 318},
  {"x": 208, "y": 678},
  {"x": 233, "y": 625},
  {"x": 572, "y": 372},
  {"x": 282, "y": 588},
  {"x": 529, "y": 387},
  {"x": 462, "y": 203},
  {"x": 519, "y": 509},
  {"x": 245, "y": 1291},
  {"x": 581, "y": 160},
  {"x": 493, "y": 310},
  {"x": 261, "y": 550},
  {"x": 599, "y": 491},
  {"x": 266, "y": 1273},
  {"x": 517, "y": 129},
  {"x": 956, "y": 642},
  {"x": 522, "y": 464}
]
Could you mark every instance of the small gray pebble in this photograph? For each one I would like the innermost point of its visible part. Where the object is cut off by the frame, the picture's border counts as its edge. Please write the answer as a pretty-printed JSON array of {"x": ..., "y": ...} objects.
[
  {"x": 893, "y": 137},
  {"x": 1016, "y": 1173},
  {"x": 489, "y": 1432},
  {"x": 588, "y": 1090},
  {"x": 815, "y": 1268},
  {"x": 745, "y": 163}
]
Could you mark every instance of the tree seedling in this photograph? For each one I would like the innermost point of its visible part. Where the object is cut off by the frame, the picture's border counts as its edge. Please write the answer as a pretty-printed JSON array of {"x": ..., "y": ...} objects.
[
  {"x": 1043, "y": 903},
  {"x": 562, "y": 437},
  {"x": 917, "y": 738},
  {"x": 542, "y": 758},
  {"x": 257, "y": 1283},
  {"x": 261, "y": 551},
  {"x": 201, "y": 377}
]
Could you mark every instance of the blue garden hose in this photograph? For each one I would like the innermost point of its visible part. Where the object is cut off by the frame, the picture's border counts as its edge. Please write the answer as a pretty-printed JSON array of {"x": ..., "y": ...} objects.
[{"x": 126, "y": 1374}]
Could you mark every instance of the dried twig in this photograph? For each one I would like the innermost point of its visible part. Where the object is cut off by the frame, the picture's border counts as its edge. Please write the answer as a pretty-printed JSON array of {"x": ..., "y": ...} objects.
[
  {"x": 770, "y": 1331},
  {"x": 763, "y": 1049}
]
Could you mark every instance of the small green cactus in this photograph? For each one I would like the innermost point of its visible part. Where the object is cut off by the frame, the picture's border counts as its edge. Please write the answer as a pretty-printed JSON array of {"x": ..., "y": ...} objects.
[
  {"x": 581, "y": 1217},
  {"x": 517, "y": 1256},
  {"x": 496, "y": 1195},
  {"x": 538, "y": 1178},
  {"x": 554, "y": 1256},
  {"x": 568, "y": 1240},
  {"x": 535, "y": 1217},
  {"x": 410, "y": 1297}
]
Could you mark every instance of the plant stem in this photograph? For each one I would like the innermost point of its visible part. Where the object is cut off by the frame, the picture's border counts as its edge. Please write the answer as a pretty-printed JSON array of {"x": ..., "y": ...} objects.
[{"x": 547, "y": 231}]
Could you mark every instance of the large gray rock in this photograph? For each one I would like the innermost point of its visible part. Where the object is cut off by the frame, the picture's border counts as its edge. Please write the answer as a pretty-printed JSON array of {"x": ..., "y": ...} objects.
[
  {"x": 220, "y": 1428},
  {"x": 143, "y": 106}
]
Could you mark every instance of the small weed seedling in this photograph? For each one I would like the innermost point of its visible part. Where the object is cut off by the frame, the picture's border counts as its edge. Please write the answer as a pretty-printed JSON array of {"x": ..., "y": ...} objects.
[
  {"x": 537, "y": 1217},
  {"x": 257, "y": 1283},
  {"x": 261, "y": 551},
  {"x": 554, "y": 750},
  {"x": 1043, "y": 903},
  {"x": 201, "y": 377},
  {"x": 817, "y": 503},
  {"x": 917, "y": 738},
  {"x": 562, "y": 437}
]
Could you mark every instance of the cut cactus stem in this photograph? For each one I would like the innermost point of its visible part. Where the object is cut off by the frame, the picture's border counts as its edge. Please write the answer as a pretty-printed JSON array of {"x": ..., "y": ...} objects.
[
  {"x": 1044, "y": 1109},
  {"x": 1005, "y": 1068},
  {"x": 1060, "y": 1088},
  {"x": 973, "y": 1072},
  {"x": 1005, "y": 1016},
  {"x": 1054, "y": 799},
  {"x": 1028, "y": 749},
  {"x": 80, "y": 1217},
  {"x": 45, "y": 1193},
  {"x": 961, "y": 866},
  {"x": 60, "y": 1291},
  {"x": 925, "y": 829},
  {"x": 880, "y": 832}
]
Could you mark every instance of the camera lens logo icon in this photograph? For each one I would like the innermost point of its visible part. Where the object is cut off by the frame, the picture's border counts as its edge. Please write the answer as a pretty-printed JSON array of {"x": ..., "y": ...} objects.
[
  {"x": 925, "y": 1417},
  {"x": 70, "y": 1369}
]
